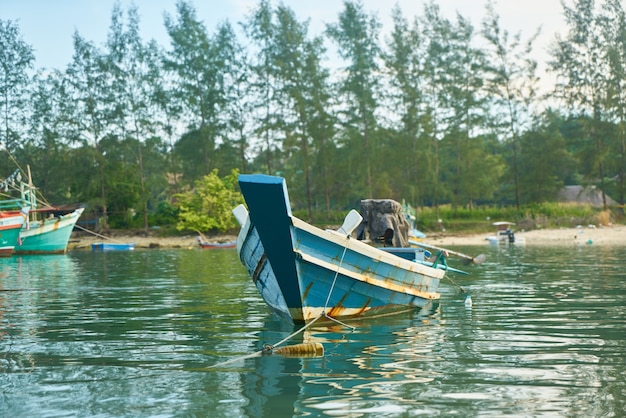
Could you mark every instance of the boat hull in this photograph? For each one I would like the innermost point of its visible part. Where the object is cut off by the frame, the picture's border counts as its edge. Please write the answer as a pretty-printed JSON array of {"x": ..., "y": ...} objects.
[
  {"x": 49, "y": 236},
  {"x": 504, "y": 235},
  {"x": 104, "y": 246},
  {"x": 10, "y": 226},
  {"x": 216, "y": 245},
  {"x": 504, "y": 241},
  {"x": 303, "y": 272}
]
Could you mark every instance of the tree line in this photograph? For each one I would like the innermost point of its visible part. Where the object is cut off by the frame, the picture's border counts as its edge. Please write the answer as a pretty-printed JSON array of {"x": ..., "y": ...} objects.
[{"x": 439, "y": 111}]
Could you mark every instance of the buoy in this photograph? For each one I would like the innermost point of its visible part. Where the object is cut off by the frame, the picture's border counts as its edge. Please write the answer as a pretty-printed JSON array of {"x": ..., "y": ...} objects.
[
  {"x": 301, "y": 350},
  {"x": 468, "y": 301}
]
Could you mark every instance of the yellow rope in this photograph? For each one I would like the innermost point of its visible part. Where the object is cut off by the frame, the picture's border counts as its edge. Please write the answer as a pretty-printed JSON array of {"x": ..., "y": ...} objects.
[
  {"x": 270, "y": 347},
  {"x": 266, "y": 347}
]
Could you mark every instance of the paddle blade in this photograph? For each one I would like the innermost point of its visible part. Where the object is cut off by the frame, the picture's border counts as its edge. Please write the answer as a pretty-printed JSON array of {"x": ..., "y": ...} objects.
[
  {"x": 352, "y": 220},
  {"x": 479, "y": 259}
]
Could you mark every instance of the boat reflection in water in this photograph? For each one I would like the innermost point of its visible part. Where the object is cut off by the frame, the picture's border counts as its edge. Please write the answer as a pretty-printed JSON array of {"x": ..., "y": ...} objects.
[{"x": 358, "y": 367}]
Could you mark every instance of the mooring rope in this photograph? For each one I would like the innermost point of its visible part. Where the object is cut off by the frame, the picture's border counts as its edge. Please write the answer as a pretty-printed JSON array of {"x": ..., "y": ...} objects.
[
  {"x": 345, "y": 248},
  {"x": 267, "y": 347},
  {"x": 330, "y": 291},
  {"x": 95, "y": 233},
  {"x": 455, "y": 283}
]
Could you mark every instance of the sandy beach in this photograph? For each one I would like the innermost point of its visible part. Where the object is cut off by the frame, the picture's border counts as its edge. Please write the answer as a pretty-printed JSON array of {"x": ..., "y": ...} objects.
[
  {"x": 84, "y": 241},
  {"x": 605, "y": 236}
]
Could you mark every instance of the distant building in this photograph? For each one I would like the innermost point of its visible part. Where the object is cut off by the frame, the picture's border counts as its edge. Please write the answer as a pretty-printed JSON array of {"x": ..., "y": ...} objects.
[{"x": 584, "y": 195}]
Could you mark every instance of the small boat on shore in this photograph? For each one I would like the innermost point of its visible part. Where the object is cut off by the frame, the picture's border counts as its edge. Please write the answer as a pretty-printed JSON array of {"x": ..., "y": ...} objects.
[
  {"x": 304, "y": 273},
  {"x": 112, "y": 246},
  {"x": 206, "y": 245},
  {"x": 504, "y": 235}
]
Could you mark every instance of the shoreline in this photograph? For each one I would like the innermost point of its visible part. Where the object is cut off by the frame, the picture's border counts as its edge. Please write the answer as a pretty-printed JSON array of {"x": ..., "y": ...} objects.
[
  {"x": 83, "y": 242},
  {"x": 603, "y": 236},
  {"x": 558, "y": 237}
]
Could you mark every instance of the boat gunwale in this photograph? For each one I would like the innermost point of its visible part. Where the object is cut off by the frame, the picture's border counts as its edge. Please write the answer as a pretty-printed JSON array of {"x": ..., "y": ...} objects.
[
  {"x": 406, "y": 289},
  {"x": 368, "y": 250}
]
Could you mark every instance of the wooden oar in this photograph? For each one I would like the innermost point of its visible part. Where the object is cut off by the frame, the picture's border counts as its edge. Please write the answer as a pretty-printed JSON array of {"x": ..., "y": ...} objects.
[{"x": 479, "y": 259}]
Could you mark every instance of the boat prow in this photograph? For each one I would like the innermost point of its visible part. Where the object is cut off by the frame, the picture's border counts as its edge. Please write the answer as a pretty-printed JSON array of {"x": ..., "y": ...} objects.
[
  {"x": 49, "y": 235},
  {"x": 304, "y": 272}
]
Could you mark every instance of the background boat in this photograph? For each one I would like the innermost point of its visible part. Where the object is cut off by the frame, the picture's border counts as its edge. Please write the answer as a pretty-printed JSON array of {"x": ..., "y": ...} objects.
[
  {"x": 10, "y": 226},
  {"x": 46, "y": 228},
  {"x": 49, "y": 235},
  {"x": 213, "y": 245},
  {"x": 505, "y": 235},
  {"x": 112, "y": 246},
  {"x": 205, "y": 244}
]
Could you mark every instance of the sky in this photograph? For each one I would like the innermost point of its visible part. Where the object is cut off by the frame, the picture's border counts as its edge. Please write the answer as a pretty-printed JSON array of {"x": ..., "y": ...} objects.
[{"x": 48, "y": 25}]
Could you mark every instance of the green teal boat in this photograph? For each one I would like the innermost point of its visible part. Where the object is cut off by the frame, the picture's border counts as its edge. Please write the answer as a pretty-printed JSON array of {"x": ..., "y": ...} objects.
[
  {"x": 46, "y": 229},
  {"x": 10, "y": 226},
  {"x": 49, "y": 235}
]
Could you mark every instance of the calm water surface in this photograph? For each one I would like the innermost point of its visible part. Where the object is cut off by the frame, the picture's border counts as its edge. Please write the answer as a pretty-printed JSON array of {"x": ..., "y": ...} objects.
[{"x": 136, "y": 334}]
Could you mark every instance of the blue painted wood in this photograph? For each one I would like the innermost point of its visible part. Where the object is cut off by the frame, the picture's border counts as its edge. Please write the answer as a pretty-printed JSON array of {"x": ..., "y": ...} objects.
[
  {"x": 111, "y": 246},
  {"x": 270, "y": 212},
  {"x": 302, "y": 271},
  {"x": 252, "y": 255}
]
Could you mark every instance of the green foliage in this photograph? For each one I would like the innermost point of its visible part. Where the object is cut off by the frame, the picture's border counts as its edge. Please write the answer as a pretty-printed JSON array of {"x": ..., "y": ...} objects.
[
  {"x": 435, "y": 116},
  {"x": 208, "y": 207},
  {"x": 532, "y": 216},
  {"x": 16, "y": 58},
  {"x": 165, "y": 214}
]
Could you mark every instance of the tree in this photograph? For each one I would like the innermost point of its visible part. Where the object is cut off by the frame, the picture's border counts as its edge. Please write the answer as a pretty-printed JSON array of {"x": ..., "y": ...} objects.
[
  {"x": 239, "y": 104},
  {"x": 46, "y": 147},
  {"x": 544, "y": 160},
  {"x": 134, "y": 73},
  {"x": 437, "y": 32},
  {"x": 301, "y": 83},
  {"x": 200, "y": 65},
  {"x": 580, "y": 60},
  {"x": 511, "y": 82},
  {"x": 91, "y": 112},
  {"x": 356, "y": 35},
  {"x": 16, "y": 58},
  {"x": 465, "y": 101},
  {"x": 259, "y": 29},
  {"x": 614, "y": 28},
  {"x": 405, "y": 63},
  {"x": 208, "y": 207}
]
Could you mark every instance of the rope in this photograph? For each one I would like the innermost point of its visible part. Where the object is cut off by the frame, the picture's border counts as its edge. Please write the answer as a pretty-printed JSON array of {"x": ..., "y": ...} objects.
[
  {"x": 338, "y": 321},
  {"x": 335, "y": 278},
  {"x": 39, "y": 197},
  {"x": 269, "y": 347},
  {"x": 266, "y": 347},
  {"x": 455, "y": 283},
  {"x": 94, "y": 233}
]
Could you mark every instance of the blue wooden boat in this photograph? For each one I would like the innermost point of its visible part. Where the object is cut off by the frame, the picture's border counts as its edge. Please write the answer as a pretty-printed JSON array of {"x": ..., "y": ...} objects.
[
  {"x": 112, "y": 246},
  {"x": 303, "y": 272}
]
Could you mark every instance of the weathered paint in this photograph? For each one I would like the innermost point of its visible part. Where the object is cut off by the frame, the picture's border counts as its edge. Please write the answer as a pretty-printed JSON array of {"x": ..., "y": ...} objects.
[
  {"x": 10, "y": 225},
  {"x": 48, "y": 236},
  {"x": 302, "y": 271}
]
